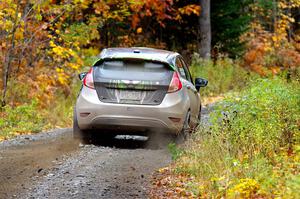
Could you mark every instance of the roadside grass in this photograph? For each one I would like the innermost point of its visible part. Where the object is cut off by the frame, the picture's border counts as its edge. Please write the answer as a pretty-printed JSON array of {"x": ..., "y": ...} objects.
[
  {"x": 31, "y": 117},
  {"x": 60, "y": 113},
  {"x": 250, "y": 150},
  {"x": 223, "y": 75},
  {"x": 33, "y": 108},
  {"x": 23, "y": 118}
]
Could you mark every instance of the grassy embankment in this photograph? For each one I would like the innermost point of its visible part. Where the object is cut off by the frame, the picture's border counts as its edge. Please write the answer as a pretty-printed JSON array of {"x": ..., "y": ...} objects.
[
  {"x": 30, "y": 117},
  {"x": 32, "y": 114},
  {"x": 224, "y": 75},
  {"x": 251, "y": 148}
]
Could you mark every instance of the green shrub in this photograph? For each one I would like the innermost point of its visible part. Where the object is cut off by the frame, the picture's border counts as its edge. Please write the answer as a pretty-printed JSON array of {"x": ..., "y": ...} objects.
[
  {"x": 252, "y": 147},
  {"x": 263, "y": 120},
  {"x": 223, "y": 75},
  {"x": 21, "y": 119},
  {"x": 30, "y": 117},
  {"x": 175, "y": 151}
]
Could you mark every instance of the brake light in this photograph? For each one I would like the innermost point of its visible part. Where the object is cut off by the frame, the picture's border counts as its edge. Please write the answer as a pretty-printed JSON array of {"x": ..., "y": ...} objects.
[
  {"x": 88, "y": 81},
  {"x": 175, "y": 84}
]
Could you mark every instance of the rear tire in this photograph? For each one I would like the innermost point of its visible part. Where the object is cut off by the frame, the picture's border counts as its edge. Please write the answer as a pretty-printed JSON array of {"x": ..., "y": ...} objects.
[
  {"x": 199, "y": 119},
  {"x": 186, "y": 129},
  {"x": 78, "y": 134}
]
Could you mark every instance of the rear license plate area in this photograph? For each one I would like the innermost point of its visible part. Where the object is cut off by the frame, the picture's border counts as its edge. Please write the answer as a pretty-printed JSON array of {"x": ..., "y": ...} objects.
[{"x": 125, "y": 95}]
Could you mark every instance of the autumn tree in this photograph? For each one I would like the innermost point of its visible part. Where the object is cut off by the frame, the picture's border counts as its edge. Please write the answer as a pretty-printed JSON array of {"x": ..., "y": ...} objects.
[
  {"x": 273, "y": 42},
  {"x": 44, "y": 44},
  {"x": 19, "y": 34}
]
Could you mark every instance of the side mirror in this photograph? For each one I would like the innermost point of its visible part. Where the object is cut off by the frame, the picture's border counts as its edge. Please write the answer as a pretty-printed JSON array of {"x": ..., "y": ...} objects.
[
  {"x": 200, "y": 82},
  {"x": 82, "y": 75}
]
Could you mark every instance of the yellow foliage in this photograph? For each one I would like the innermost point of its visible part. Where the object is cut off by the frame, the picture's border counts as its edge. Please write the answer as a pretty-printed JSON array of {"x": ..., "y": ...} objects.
[
  {"x": 190, "y": 9},
  {"x": 270, "y": 51},
  {"x": 139, "y": 30},
  {"x": 69, "y": 61},
  {"x": 246, "y": 188}
]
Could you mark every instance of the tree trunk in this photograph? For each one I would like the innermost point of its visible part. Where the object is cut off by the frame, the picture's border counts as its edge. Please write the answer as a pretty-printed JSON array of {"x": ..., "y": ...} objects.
[
  {"x": 205, "y": 30},
  {"x": 9, "y": 56}
]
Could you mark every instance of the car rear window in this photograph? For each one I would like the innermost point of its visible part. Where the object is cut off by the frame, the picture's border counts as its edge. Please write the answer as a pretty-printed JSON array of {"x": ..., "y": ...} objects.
[
  {"x": 132, "y": 69},
  {"x": 132, "y": 65}
]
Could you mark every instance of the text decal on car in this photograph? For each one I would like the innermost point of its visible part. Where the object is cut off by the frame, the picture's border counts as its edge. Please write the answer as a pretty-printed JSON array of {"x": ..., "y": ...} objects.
[{"x": 132, "y": 84}]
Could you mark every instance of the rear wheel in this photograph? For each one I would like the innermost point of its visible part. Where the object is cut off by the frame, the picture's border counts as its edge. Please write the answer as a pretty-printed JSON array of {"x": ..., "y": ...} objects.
[
  {"x": 199, "y": 118},
  {"x": 186, "y": 130}
]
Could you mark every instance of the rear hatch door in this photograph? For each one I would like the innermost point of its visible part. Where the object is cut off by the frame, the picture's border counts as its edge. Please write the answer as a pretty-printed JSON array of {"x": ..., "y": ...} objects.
[{"x": 132, "y": 81}]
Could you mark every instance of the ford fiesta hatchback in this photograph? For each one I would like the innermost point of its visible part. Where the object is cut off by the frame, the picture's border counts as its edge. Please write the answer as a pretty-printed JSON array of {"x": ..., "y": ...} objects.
[{"x": 135, "y": 90}]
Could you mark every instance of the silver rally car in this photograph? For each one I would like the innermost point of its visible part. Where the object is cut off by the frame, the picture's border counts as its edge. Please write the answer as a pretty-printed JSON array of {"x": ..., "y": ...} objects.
[{"x": 136, "y": 90}]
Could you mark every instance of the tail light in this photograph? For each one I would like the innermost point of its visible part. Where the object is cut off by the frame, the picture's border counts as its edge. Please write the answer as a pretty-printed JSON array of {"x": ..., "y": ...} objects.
[
  {"x": 175, "y": 84},
  {"x": 88, "y": 81}
]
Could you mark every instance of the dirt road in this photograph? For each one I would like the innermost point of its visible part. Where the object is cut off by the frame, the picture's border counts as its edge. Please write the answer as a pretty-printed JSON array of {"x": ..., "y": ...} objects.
[{"x": 53, "y": 165}]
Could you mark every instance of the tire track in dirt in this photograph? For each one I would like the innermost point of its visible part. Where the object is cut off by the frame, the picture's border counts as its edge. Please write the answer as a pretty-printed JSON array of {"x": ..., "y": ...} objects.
[{"x": 53, "y": 165}]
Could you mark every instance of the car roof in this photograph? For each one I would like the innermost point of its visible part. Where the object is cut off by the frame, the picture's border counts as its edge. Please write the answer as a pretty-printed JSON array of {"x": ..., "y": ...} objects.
[{"x": 138, "y": 53}]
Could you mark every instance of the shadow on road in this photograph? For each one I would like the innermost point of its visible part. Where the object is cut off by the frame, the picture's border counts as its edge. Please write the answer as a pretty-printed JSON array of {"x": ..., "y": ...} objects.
[
  {"x": 120, "y": 141},
  {"x": 154, "y": 142}
]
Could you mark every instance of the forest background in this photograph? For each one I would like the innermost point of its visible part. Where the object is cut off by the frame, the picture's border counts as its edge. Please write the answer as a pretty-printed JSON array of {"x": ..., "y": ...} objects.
[{"x": 249, "y": 50}]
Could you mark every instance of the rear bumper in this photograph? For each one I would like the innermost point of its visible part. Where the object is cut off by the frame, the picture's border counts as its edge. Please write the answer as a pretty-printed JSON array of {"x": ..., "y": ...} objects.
[{"x": 131, "y": 117}]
